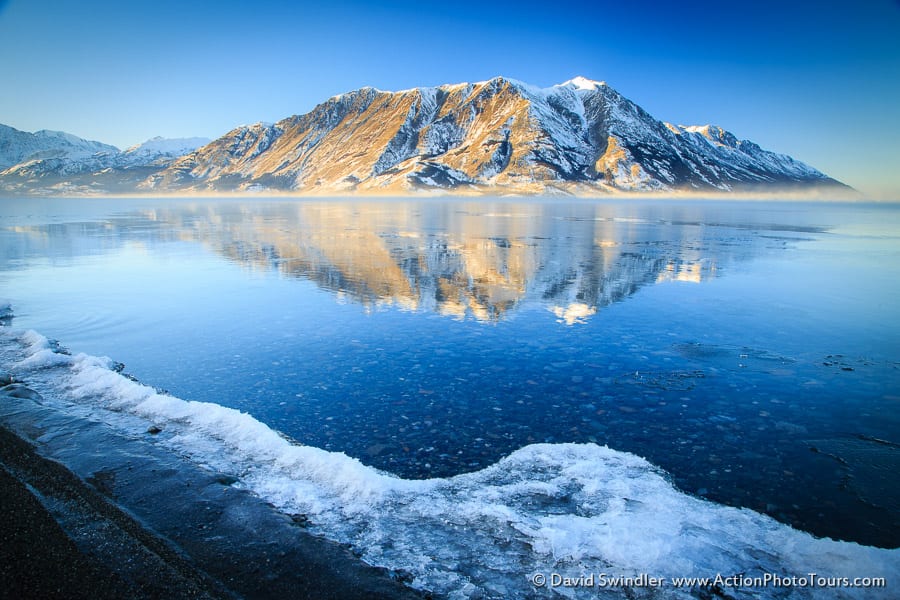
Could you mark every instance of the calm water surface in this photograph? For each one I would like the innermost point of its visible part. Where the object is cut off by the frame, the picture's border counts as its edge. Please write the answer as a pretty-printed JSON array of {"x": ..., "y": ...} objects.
[{"x": 750, "y": 350}]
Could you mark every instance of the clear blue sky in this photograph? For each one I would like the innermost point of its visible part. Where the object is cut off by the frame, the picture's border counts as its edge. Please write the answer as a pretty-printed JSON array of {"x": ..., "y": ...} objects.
[{"x": 817, "y": 80}]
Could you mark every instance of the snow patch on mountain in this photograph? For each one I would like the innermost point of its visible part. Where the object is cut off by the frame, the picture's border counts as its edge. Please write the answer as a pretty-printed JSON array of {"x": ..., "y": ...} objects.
[{"x": 582, "y": 83}]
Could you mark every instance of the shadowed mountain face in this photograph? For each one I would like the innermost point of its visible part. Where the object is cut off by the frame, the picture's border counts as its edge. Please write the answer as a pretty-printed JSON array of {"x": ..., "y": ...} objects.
[{"x": 499, "y": 135}]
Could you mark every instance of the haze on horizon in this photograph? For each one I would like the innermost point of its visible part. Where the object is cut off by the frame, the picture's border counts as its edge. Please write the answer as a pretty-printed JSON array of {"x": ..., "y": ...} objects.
[{"x": 818, "y": 81}]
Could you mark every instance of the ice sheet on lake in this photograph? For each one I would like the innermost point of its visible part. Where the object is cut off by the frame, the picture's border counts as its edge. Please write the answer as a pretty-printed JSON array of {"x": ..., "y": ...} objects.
[{"x": 572, "y": 509}]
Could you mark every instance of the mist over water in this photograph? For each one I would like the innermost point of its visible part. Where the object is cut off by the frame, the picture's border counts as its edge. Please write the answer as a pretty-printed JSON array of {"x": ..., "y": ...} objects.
[{"x": 749, "y": 350}]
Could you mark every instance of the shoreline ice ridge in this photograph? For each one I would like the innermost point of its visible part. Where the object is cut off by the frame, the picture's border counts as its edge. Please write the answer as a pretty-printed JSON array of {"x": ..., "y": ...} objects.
[{"x": 571, "y": 509}]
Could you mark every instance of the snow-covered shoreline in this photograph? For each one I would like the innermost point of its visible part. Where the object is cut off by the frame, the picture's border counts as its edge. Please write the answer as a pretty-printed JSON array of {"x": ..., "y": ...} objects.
[{"x": 571, "y": 509}]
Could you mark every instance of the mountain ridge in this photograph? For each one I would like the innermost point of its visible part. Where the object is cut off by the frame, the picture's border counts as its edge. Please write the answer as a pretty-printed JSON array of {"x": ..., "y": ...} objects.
[
  {"x": 500, "y": 136},
  {"x": 55, "y": 162},
  {"x": 20, "y": 146}
]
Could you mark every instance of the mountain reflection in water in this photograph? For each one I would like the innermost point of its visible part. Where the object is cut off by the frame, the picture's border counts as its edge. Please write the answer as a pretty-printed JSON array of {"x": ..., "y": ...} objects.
[{"x": 468, "y": 260}]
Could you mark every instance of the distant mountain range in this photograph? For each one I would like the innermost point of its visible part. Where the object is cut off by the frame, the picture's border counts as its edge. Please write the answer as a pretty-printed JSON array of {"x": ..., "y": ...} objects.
[
  {"x": 494, "y": 137},
  {"x": 57, "y": 163}
]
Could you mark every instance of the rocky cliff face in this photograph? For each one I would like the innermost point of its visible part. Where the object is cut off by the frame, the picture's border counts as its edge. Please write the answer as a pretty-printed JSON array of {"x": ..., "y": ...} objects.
[{"x": 495, "y": 136}]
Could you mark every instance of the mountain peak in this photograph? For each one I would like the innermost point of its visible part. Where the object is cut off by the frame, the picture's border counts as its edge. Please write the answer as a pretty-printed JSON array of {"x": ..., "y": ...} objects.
[
  {"x": 504, "y": 79},
  {"x": 582, "y": 83},
  {"x": 168, "y": 146}
]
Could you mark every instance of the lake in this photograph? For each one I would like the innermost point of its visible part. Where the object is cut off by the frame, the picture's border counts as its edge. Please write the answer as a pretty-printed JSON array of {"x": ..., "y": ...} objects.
[{"x": 748, "y": 351}]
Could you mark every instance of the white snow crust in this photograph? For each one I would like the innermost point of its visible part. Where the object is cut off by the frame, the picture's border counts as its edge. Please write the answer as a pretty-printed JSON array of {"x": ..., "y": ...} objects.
[{"x": 571, "y": 509}]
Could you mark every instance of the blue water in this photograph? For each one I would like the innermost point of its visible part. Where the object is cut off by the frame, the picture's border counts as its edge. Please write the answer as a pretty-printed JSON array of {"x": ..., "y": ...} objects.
[{"x": 752, "y": 350}]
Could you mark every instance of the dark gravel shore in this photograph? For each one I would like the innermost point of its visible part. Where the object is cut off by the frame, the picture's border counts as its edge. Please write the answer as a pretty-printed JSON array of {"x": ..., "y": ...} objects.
[
  {"x": 38, "y": 559},
  {"x": 142, "y": 525}
]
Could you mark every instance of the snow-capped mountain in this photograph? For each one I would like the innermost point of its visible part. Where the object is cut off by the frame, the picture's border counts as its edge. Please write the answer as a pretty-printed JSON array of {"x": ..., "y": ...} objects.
[
  {"x": 159, "y": 149},
  {"x": 53, "y": 162},
  {"x": 500, "y": 135},
  {"x": 20, "y": 146}
]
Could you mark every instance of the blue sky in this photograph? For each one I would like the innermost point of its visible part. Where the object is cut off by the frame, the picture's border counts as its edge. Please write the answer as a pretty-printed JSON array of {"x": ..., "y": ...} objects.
[{"x": 819, "y": 81}]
